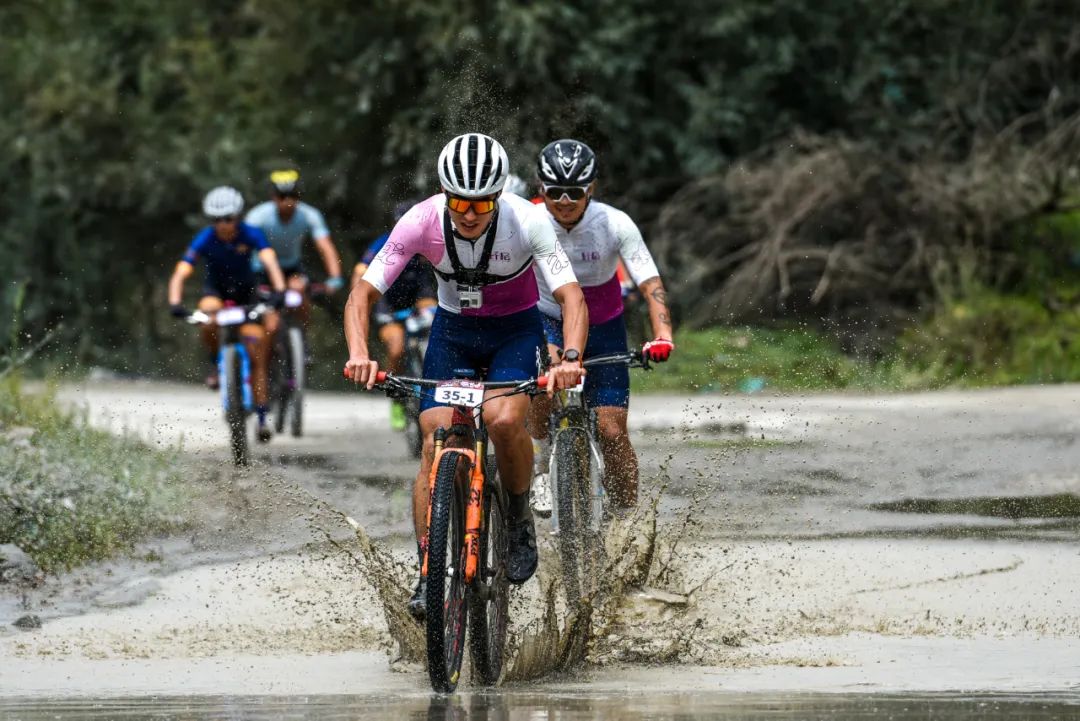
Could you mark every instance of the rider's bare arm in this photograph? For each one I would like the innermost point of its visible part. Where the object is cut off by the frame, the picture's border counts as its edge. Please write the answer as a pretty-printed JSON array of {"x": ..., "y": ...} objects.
[
  {"x": 360, "y": 367},
  {"x": 330, "y": 258},
  {"x": 575, "y": 314},
  {"x": 659, "y": 312},
  {"x": 269, "y": 260},
  {"x": 182, "y": 272}
]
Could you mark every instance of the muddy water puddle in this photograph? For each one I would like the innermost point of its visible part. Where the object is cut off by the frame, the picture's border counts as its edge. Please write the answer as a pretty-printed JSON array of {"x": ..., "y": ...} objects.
[
  {"x": 555, "y": 706},
  {"x": 1059, "y": 505}
]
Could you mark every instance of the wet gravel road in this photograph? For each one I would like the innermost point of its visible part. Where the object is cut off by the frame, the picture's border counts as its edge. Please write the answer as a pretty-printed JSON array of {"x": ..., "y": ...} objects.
[{"x": 918, "y": 544}]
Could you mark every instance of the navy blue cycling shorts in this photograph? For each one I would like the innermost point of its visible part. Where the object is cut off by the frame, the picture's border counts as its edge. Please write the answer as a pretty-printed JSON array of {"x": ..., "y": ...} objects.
[
  {"x": 460, "y": 346},
  {"x": 239, "y": 294},
  {"x": 605, "y": 385}
]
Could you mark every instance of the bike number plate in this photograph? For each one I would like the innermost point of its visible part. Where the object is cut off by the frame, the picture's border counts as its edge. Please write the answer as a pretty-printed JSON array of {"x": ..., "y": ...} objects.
[
  {"x": 231, "y": 316},
  {"x": 460, "y": 393},
  {"x": 293, "y": 299}
]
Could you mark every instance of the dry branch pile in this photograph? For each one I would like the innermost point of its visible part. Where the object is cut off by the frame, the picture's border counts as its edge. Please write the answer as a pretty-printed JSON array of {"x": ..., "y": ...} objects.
[{"x": 852, "y": 234}]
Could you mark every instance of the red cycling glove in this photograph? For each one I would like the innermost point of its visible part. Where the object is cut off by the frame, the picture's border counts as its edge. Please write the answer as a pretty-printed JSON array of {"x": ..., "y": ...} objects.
[{"x": 658, "y": 350}]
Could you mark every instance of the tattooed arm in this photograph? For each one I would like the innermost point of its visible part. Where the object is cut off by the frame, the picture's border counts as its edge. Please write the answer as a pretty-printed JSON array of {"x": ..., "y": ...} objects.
[{"x": 659, "y": 312}]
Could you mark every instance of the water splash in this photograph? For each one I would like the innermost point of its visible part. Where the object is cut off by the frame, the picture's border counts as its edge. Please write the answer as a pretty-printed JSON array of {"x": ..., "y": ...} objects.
[{"x": 640, "y": 609}]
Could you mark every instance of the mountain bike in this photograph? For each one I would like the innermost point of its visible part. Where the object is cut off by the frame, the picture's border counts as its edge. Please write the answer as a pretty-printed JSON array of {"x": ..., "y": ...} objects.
[
  {"x": 467, "y": 534},
  {"x": 234, "y": 369},
  {"x": 417, "y": 332},
  {"x": 576, "y": 478}
]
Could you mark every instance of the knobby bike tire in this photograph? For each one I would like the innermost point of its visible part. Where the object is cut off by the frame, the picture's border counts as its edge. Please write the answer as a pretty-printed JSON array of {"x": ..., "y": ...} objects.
[
  {"x": 572, "y": 497},
  {"x": 279, "y": 386},
  {"x": 490, "y": 599},
  {"x": 235, "y": 414},
  {"x": 299, "y": 376},
  {"x": 446, "y": 606}
]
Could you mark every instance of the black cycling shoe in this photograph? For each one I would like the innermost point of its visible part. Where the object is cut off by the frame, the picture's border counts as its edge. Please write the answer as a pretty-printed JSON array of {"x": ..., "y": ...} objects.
[
  {"x": 418, "y": 603},
  {"x": 521, "y": 565},
  {"x": 263, "y": 434}
]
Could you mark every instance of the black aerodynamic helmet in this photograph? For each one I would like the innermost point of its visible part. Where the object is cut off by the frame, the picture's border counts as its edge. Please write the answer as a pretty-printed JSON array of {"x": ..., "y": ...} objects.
[{"x": 566, "y": 162}]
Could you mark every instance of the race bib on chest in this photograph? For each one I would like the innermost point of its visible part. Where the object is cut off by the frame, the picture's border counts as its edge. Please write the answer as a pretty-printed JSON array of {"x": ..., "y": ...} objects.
[{"x": 470, "y": 296}]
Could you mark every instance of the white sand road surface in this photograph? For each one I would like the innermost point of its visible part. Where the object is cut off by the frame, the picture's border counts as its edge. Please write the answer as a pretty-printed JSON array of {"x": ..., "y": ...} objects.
[{"x": 806, "y": 587}]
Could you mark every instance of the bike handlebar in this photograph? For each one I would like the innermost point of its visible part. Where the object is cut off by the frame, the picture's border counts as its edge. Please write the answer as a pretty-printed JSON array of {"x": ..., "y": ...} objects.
[
  {"x": 631, "y": 358},
  {"x": 253, "y": 312}
]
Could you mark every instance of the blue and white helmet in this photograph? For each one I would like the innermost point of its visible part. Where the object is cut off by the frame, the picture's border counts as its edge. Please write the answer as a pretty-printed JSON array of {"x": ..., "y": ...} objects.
[
  {"x": 222, "y": 201},
  {"x": 566, "y": 162},
  {"x": 473, "y": 165}
]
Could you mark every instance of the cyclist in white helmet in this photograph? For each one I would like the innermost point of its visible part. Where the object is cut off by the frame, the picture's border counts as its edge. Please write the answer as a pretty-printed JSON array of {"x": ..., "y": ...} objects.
[
  {"x": 484, "y": 245},
  {"x": 228, "y": 245},
  {"x": 596, "y": 236}
]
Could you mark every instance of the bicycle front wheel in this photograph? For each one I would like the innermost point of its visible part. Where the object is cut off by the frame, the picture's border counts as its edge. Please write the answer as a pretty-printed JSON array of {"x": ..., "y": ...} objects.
[
  {"x": 489, "y": 602},
  {"x": 299, "y": 373},
  {"x": 232, "y": 378},
  {"x": 446, "y": 589},
  {"x": 572, "y": 498}
]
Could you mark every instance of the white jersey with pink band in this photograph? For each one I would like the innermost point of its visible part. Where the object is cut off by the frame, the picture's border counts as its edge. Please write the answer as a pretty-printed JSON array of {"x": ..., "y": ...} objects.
[
  {"x": 594, "y": 246},
  {"x": 524, "y": 240}
]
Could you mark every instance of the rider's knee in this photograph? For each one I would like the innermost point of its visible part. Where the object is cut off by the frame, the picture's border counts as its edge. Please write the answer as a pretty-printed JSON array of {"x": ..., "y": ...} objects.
[
  {"x": 505, "y": 425},
  {"x": 252, "y": 342},
  {"x": 209, "y": 304},
  {"x": 611, "y": 429}
]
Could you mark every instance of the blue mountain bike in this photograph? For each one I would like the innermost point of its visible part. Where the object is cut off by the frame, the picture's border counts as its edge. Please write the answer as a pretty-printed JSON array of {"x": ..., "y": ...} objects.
[{"x": 234, "y": 370}]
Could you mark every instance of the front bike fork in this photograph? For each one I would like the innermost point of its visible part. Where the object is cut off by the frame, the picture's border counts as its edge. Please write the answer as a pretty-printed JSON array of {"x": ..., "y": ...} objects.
[
  {"x": 225, "y": 378},
  {"x": 473, "y": 502},
  {"x": 596, "y": 476}
]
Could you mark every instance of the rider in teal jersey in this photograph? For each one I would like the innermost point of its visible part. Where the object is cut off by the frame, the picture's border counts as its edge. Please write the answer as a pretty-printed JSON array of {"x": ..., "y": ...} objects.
[{"x": 287, "y": 223}]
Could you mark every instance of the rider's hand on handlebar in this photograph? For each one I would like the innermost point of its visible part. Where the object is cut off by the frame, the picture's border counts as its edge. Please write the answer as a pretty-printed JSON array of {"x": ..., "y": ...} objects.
[
  {"x": 277, "y": 299},
  {"x": 362, "y": 371},
  {"x": 565, "y": 374},
  {"x": 178, "y": 311},
  {"x": 658, "y": 350}
]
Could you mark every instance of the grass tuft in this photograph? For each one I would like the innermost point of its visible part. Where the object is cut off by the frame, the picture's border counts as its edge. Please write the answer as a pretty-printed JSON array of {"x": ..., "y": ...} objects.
[{"x": 71, "y": 494}]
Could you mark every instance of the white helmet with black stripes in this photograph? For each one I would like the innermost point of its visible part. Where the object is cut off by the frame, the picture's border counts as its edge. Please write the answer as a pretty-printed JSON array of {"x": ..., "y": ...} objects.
[{"x": 473, "y": 165}]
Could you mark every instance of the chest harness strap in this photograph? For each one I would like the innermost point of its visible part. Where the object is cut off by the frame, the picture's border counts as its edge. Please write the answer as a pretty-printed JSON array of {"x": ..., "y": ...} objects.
[{"x": 479, "y": 276}]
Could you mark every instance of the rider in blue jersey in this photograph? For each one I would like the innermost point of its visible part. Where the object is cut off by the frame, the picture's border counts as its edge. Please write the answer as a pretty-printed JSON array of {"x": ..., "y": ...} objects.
[{"x": 228, "y": 245}]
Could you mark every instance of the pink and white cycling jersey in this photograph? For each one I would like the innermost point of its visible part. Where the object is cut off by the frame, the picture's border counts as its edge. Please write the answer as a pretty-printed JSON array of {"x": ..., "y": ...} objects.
[
  {"x": 594, "y": 246},
  {"x": 524, "y": 240}
]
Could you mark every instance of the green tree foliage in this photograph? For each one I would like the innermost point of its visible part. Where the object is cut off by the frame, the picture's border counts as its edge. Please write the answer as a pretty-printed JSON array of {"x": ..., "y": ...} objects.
[{"x": 117, "y": 115}]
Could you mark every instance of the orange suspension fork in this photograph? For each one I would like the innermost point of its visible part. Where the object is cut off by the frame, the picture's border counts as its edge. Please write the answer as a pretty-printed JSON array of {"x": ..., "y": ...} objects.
[
  {"x": 440, "y": 451},
  {"x": 474, "y": 512}
]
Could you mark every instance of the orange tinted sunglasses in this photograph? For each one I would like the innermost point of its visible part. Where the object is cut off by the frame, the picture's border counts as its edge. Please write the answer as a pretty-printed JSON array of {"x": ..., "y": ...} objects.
[{"x": 462, "y": 205}]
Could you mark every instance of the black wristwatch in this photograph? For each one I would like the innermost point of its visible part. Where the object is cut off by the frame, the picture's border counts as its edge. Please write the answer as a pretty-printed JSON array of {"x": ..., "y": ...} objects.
[{"x": 571, "y": 355}]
